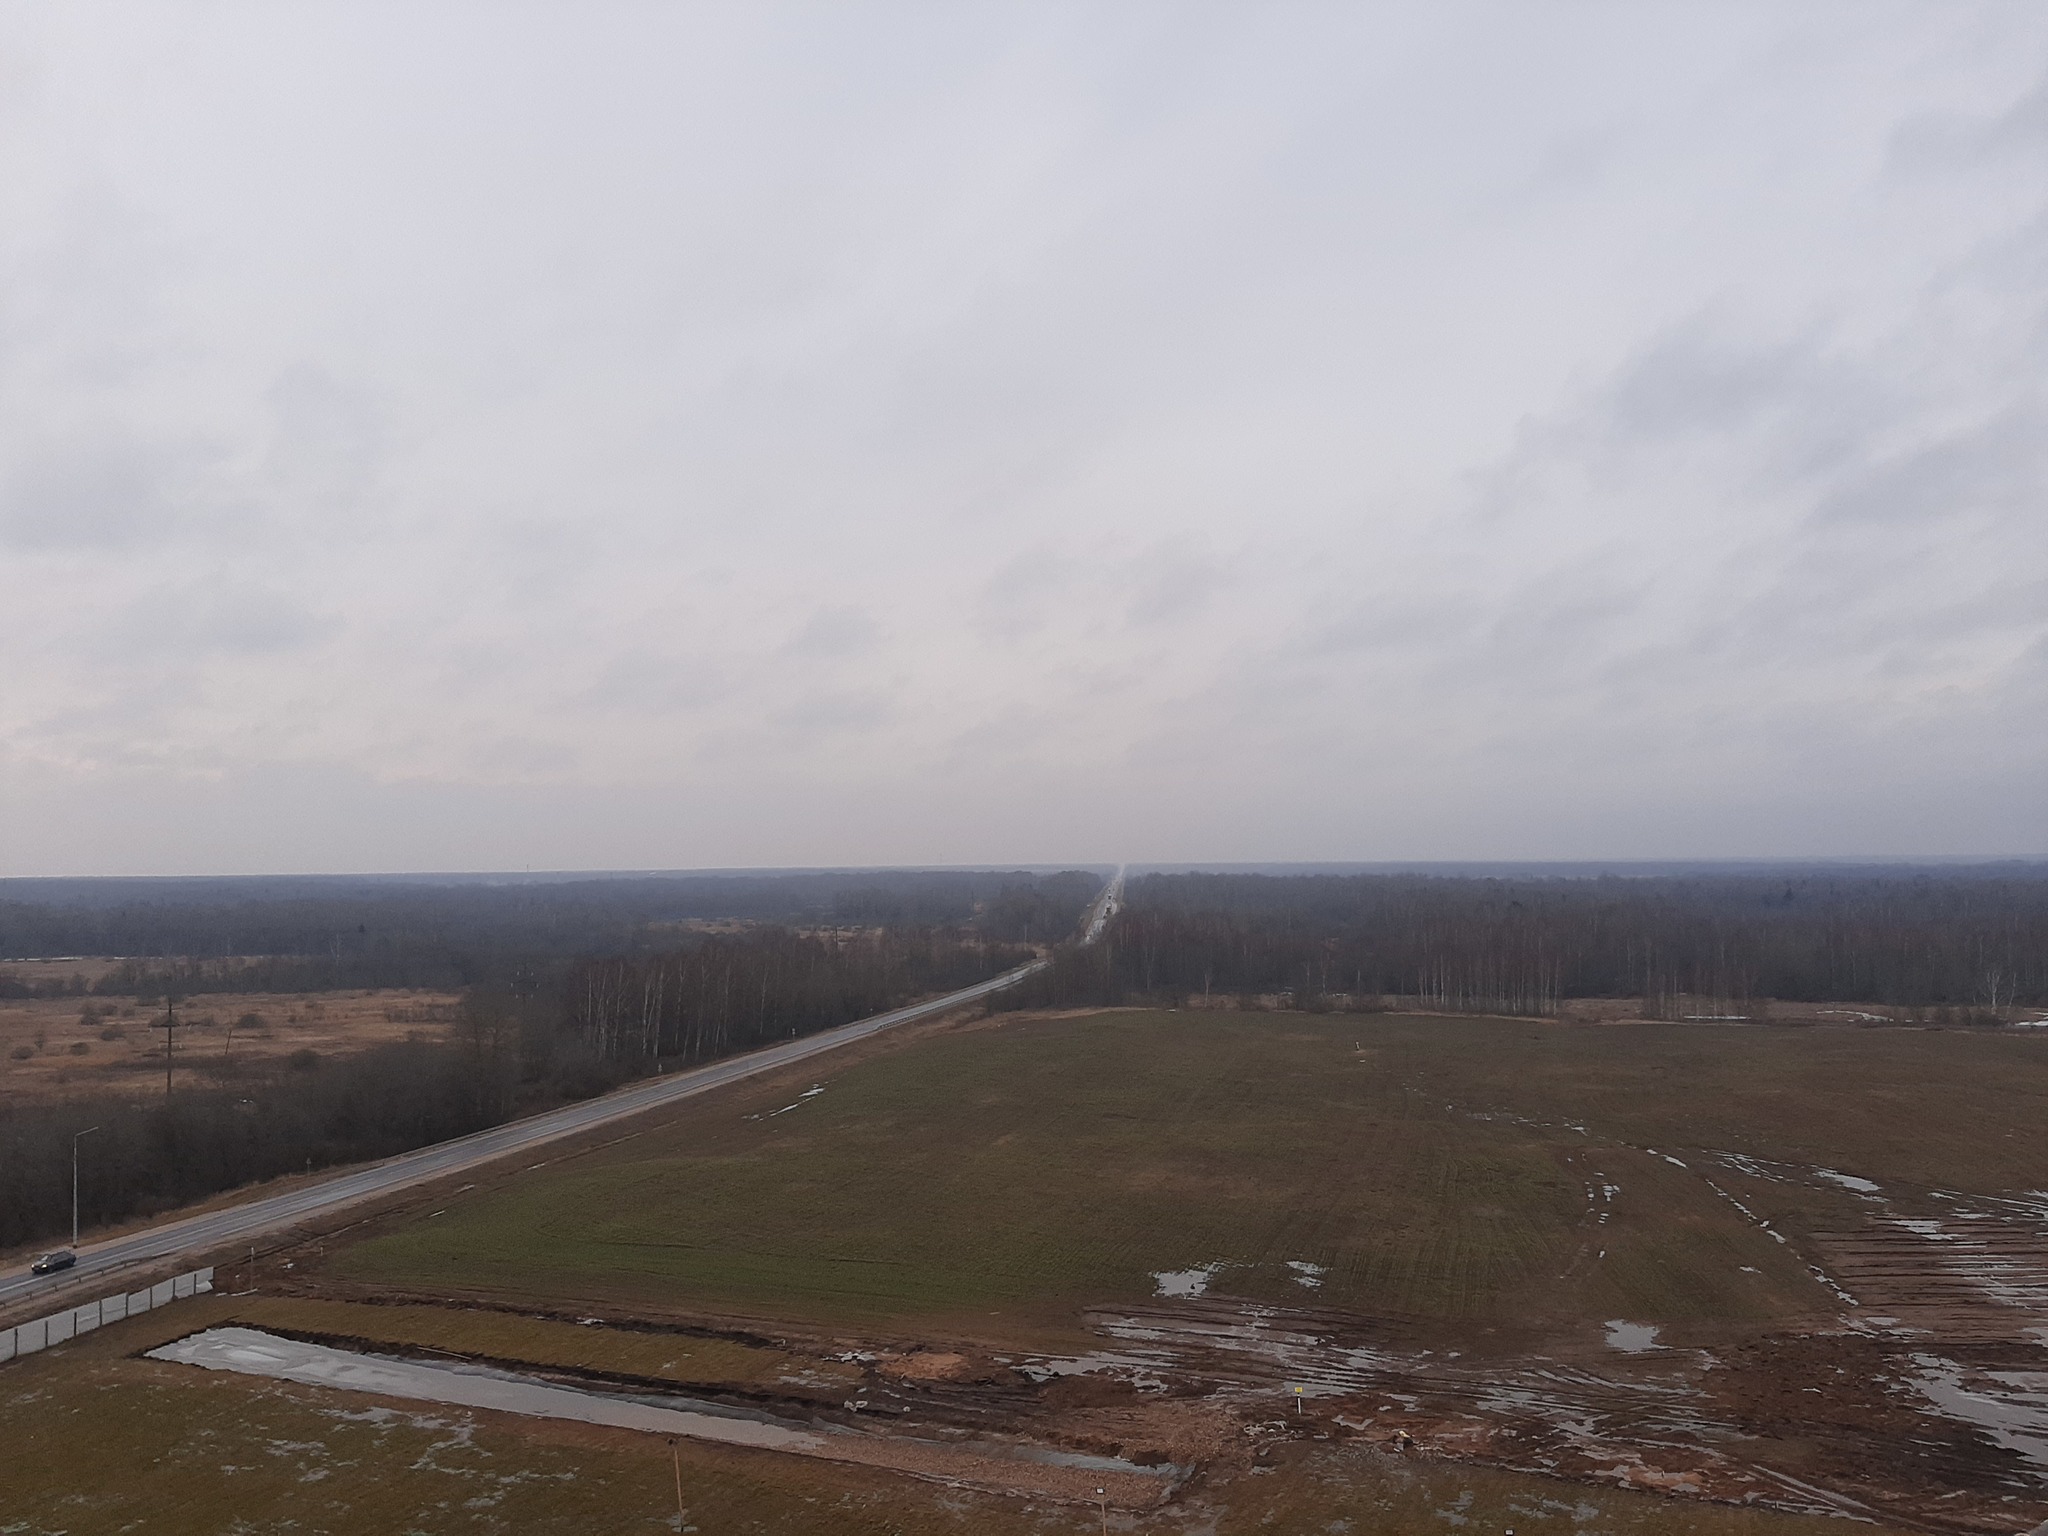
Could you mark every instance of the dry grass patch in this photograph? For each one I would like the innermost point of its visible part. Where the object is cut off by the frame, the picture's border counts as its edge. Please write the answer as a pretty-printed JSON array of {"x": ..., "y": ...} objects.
[{"x": 56, "y": 1047}]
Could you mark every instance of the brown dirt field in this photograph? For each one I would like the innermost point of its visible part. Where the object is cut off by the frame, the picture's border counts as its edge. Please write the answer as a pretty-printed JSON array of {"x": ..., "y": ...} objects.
[
  {"x": 203, "y": 1452},
  {"x": 50, "y": 1048}
]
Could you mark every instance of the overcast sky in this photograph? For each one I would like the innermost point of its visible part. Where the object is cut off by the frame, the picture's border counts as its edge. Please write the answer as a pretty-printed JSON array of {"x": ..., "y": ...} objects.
[{"x": 606, "y": 436}]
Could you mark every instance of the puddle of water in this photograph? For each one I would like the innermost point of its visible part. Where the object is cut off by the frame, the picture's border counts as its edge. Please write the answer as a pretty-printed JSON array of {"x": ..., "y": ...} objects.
[
  {"x": 253, "y": 1353},
  {"x": 801, "y": 1099},
  {"x": 1921, "y": 1227},
  {"x": 2009, "y": 1406},
  {"x": 809, "y": 1093},
  {"x": 1632, "y": 1338},
  {"x": 1184, "y": 1282},
  {"x": 1848, "y": 1181},
  {"x": 1307, "y": 1274},
  {"x": 1141, "y": 1371}
]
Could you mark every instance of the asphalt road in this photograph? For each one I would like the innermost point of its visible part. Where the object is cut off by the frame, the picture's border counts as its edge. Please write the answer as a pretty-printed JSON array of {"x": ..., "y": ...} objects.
[
  {"x": 1106, "y": 907},
  {"x": 254, "y": 1218}
]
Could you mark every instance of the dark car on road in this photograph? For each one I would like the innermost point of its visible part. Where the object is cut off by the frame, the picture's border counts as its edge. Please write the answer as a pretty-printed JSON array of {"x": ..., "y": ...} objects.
[{"x": 50, "y": 1263}]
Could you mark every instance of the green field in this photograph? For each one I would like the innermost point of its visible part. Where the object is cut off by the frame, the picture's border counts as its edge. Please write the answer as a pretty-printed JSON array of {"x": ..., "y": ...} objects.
[
  {"x": 1429, "y": 1167},
  {"x": 978, "y": 1188}
]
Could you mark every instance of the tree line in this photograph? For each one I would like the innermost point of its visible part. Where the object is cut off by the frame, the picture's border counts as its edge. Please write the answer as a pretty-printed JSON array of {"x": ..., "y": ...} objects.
[
  {"x": 710, "y": 999},
  {"x": 445, "y": 931},
  {"x": 1973, "y": 939},
  {"x": 185, "y": 937},
  {"x": 539, "y": 1032},
  {"x": 164, "y": 1152}
]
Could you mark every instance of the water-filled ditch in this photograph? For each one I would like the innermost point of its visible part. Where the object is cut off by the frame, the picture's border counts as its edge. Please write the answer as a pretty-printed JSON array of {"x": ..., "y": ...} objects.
[{"x": 1006, "y": 1465}]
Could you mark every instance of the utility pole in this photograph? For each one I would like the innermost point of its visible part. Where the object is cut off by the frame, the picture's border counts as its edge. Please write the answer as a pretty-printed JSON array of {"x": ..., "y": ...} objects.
[
  {"x": 169, "y": 1025},
  {"x": 676, "y": 1455},
  {"x": 74, "y": 1180}
]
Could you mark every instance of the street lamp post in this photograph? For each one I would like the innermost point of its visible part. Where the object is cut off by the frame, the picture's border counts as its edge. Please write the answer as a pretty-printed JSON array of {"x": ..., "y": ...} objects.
[{"x": 74, "y": 1180}]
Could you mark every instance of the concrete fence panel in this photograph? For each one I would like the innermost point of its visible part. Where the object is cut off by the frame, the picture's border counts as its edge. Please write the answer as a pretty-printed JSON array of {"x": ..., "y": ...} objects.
[{"x": 30, "y": 1337}]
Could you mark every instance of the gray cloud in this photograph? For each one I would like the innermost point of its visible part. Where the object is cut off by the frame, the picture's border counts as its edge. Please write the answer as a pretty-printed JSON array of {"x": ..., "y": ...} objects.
[
  {"x": 1944, "y": 142},
  {"x": 747, "y": 435},
  {"x": 834, "y": 633},
  {"x": 327, "y": 442},
  {"x": 246, "y": 619},
  {"x": 96, "y": 493}
]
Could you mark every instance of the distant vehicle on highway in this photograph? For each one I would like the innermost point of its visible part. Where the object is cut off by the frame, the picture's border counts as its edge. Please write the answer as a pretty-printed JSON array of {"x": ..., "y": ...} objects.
[{"x": 50, "y": 1263}]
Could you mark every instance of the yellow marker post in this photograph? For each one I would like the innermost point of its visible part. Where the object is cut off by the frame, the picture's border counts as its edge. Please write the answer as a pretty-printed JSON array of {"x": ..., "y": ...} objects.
[{"x": 1297, "y": 1400}]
